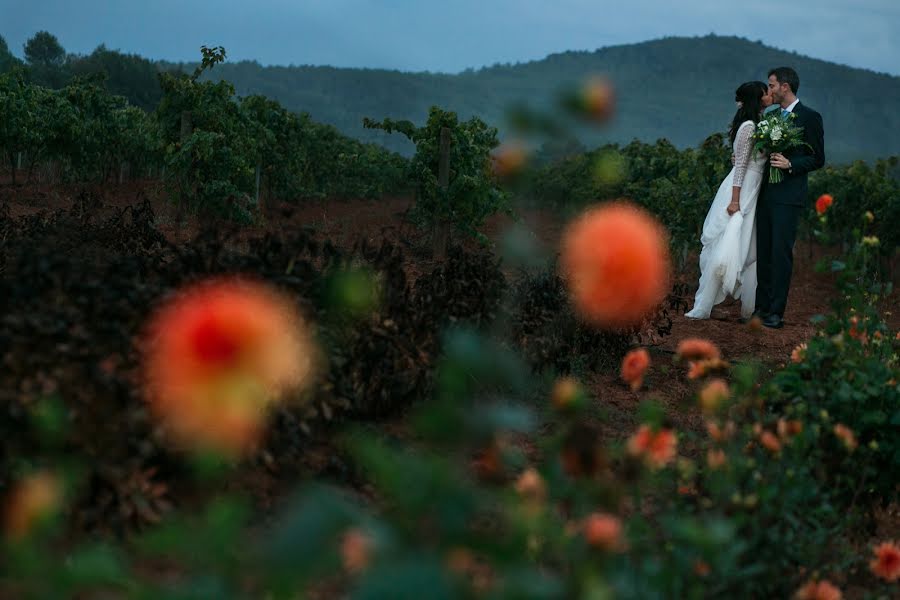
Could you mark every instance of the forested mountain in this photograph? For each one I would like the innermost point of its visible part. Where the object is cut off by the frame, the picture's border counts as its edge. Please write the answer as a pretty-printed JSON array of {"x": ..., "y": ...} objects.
[{"x": 676, "y": 88}]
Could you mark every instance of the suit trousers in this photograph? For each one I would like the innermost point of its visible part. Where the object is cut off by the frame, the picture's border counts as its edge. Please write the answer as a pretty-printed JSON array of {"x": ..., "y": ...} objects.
[{"x": 776, "y": 232}]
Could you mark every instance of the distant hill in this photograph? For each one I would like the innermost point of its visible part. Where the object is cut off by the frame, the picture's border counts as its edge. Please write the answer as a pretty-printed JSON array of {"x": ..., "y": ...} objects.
[{"x": 678, "y": 88}]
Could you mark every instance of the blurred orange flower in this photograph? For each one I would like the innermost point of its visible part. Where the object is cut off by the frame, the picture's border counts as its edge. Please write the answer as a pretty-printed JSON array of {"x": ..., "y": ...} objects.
[
  {"x": 701, "y": 368},
  {"x": 566, "y": 392},
  {"x": 769, "y": 441},
  {"x": 719, "y": 434},
  {"x": 845, "y": 434},
  {"x": 657, "y": 448},
  {"x": 603, "y": 531},
  {"x": 634, "y": 365},
  {"x": 509, "y": 159},
  {"x": 356, "y": 551},
  {"x": 823, "y": 203},
  {"x": 799, "y": 353},
  {"x": 818, "y": 590},
  {"x": 886, "y": 563},
  {"x": 615, "y": 259},
  {"x": 701, "y": 568},
  {"x": 697, "y": 349},
  {"x": 217, "y": 356},
  {"x": 715, "y": 458},
  {"x": 712, "y": 395},
  {"x": 788, "y": 428},
  {"x": 530, "y": 485},
  {"x": 598, "y": 98},
  {"x": 35, "y": 498}
]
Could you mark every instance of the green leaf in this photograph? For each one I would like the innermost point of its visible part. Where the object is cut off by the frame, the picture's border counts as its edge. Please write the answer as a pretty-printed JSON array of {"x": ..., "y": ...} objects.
[
  {"x": 411, "y": 579},
  {"x": 95, "y": 565}
]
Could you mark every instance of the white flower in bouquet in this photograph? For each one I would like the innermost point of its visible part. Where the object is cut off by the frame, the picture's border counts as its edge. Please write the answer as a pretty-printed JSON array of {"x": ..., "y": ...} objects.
[{"x": 776, "y": 134}]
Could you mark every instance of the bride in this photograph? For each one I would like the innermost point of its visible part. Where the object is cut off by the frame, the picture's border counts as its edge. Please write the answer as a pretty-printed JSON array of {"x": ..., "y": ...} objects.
[{"x": 728, "y": 258}]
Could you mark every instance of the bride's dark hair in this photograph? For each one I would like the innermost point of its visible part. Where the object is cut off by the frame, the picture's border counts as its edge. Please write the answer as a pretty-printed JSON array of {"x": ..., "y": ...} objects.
[{"x": 750, "y": 96}]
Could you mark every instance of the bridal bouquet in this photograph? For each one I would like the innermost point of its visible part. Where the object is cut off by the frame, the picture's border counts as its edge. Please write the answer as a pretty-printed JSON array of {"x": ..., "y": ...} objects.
[{"x": 777, "y": 134}]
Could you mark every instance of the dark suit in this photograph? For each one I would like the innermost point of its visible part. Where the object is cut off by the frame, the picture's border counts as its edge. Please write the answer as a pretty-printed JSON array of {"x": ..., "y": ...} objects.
[{"x": 778, "y": 213}]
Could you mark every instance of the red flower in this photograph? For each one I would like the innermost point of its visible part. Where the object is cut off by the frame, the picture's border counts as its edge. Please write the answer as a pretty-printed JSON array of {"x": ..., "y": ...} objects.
[
  {"x": 823, "y": 203},
  {"x": 886, "y": 563},
  {"x": 218, "y": 356},
  {"x": 615, "y": 259},
  {"x": 634, "y": 365}
]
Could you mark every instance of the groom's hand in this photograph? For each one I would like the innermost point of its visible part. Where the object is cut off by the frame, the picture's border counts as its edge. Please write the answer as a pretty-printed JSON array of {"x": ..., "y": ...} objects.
[{"x": 779, "y": 161}]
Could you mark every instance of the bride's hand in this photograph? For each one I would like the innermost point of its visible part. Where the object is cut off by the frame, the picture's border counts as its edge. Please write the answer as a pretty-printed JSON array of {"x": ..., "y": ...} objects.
[{"x": 733, "y": 208}]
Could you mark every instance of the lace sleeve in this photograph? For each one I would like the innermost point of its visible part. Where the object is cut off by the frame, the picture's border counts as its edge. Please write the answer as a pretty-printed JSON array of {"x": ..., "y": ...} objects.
[{"x": 743, "y": 147}]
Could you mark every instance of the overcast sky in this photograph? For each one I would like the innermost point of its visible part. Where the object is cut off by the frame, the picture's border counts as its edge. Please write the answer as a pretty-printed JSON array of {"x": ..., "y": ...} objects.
[{"x": 449, "y": 35}]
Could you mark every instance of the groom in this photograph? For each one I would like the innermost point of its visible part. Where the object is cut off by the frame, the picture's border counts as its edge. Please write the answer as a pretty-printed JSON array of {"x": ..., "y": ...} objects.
[{"x": 781, "y": 205}]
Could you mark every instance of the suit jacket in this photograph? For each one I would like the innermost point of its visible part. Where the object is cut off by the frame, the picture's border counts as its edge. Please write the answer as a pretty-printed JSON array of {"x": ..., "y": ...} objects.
[{"x": 794, "y": 188}]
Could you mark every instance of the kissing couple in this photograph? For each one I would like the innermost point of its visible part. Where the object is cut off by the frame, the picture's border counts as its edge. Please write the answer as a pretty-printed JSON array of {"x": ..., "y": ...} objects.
[{"x": 748, "y": 235}]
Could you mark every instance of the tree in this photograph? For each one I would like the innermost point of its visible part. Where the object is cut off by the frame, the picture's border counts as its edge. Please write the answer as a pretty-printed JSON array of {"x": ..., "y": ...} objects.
[
  {"x": 44, "y": 50},
  {"x": 7, "y": 60}
]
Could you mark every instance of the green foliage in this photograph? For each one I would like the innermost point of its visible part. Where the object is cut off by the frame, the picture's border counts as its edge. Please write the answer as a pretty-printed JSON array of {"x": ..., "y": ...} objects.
[
  {"x": 858, "y": 188},
  {"x": 471, "y": 195},
  {"x": 675, "y": 185},
  {"x": 127, "y": 75},
  {"x": 44, "y": 50},
  {"x": 46, "y": 59},
  {"x": 214, "y": 165},
  {"x": 7, "y": 60},
  {"x": 21, "y": 126}
]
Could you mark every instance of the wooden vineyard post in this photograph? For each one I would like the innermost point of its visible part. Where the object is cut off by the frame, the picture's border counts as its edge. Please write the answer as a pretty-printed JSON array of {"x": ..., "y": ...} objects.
[
  {"x": 442, "y": 224},
  {"x": 256, "y": 199},
  {"x": 187, "y": 126}
]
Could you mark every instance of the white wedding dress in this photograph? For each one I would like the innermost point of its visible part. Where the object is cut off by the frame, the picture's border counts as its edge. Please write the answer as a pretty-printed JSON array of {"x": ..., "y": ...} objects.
[{"x": 728, "y": 258}]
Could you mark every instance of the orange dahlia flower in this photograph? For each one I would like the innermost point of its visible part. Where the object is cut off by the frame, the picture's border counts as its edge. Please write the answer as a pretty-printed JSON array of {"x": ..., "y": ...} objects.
[
  {"x": 566, "y": 393},
  {"x": 34, "y": 499},
  {"x": 634, "y": 365},
  {"x": 886, "y": 563},
  {"x": 615, "y": 260},
  {"x": 598, "y": 99},
  {"x": 818, "y": 590},
  {"x": 715, "y": 458},
  {"x": 697, "y": 349},
  {"x": 217, "y": 357},
  {"x": 846, "y": 435},
  {"x": 712, "y": 395},
  {"x": 657, "y": 448},
  {"x": 530, "y": 485},
  {"x": 823, "y": 203},
  {"x": 356, "y": 550},
  {"x": 603, "y": 531},
  {"x": 770, "y": 442}
]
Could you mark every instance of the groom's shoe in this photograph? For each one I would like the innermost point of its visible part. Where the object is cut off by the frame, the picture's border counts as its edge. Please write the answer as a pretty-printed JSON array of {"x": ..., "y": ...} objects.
[{"x": 773, "y": 322}]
